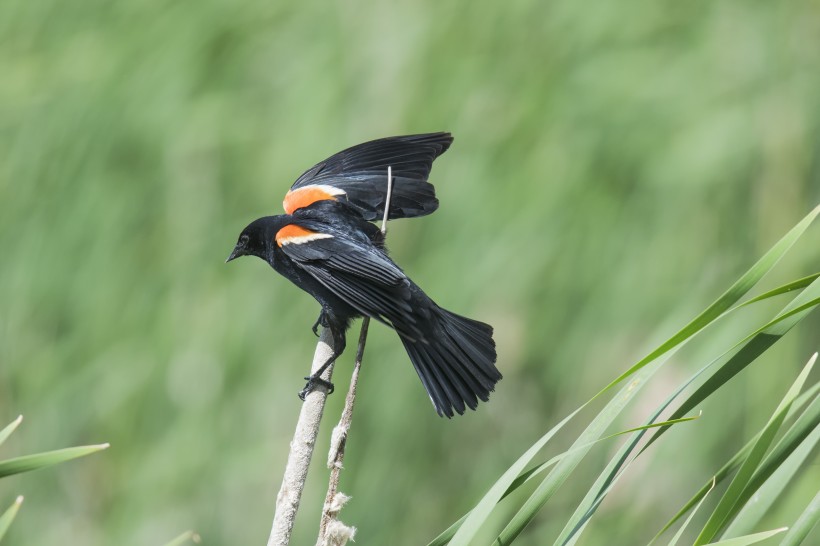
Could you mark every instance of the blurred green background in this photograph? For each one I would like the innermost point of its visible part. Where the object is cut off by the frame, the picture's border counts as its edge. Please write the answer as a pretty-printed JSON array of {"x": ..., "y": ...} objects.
[{"x": 615, "y": 167}]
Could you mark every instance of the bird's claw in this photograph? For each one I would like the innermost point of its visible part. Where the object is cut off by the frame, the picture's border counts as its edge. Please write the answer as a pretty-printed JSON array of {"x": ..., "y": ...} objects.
[
  {"x": 312, "y": 383},
  {"x": 321, "y": 321}
]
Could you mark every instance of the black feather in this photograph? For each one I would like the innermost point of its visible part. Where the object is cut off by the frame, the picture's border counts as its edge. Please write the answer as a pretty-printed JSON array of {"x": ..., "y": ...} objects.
[{"x": 361, "y": 172}]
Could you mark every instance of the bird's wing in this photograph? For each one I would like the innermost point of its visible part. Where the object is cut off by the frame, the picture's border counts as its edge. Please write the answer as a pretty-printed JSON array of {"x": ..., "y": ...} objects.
[
  {"x": 358, "y": 177},
  {"x": 354, "y": 270}
]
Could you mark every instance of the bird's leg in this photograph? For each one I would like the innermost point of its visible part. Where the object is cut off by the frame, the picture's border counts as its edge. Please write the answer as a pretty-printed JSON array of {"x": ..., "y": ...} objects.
[
  {"x": 321, "y": 321},
  {"x": 315, "y": 379}
]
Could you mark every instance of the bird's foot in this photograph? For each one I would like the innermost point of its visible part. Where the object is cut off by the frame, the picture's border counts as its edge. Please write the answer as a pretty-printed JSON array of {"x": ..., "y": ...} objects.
[
  {"x": 321, "y": 321},
  {"x": 312, "y": 383}
]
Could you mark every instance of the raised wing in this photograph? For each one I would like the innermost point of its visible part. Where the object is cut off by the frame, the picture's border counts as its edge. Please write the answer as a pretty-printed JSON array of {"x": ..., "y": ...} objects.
[
  {"x": 354, "y": 270},
  {"x": 358, "y": 176}
]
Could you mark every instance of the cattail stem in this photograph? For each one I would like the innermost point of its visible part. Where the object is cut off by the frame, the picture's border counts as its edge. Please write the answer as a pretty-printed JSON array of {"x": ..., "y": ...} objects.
[
  {"x": 301, "y": 449},
  {"x": 338, "y": 440}
]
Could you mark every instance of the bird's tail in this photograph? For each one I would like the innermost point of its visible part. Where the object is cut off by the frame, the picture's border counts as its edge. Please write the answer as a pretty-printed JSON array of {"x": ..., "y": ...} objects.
[{"x": 456, "y": 363}]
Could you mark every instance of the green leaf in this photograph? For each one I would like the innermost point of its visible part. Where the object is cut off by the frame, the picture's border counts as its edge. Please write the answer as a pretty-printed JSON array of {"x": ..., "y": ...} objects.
[
  {"x": 732, "y": 498},
  {"x": 595, "y": 496},
  {"x": 754, "y": 345},
  {"x": 11, "y": 427},
  {"x": 805, "y": 421},
  {"x": 749, "y": 539},
  {"x": 804, "y": 524},
  {"x": 683, "y": 527},
  {"x": 728, "y": 298},
  {"x": 447, "y": 535},
  {"x": 9, "y": 515},
  {"x": 735, "y": 359},
  {"x": 183, "y": 538},
  {"x": 799, "y": 284},
  {"x": 779, "y": 468},
  {"x": 482, "y": 510},
  {"x": 40, "y": 460},
  {"x": 580, "y": 448},
  {"x": 559, "y": 474}
]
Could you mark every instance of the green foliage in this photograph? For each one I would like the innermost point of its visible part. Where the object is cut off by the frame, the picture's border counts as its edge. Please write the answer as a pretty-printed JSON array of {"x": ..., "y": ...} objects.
[
  {"x": 615, "y": 167},
  {"x": 752, "y": 466},
  {"x": 27, "y": 463},
  {"x": 9, "y": 515}
]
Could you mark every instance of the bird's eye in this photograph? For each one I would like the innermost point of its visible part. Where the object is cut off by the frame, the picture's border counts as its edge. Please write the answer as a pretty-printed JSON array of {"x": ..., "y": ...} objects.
[{"x": 244, "y": 240}]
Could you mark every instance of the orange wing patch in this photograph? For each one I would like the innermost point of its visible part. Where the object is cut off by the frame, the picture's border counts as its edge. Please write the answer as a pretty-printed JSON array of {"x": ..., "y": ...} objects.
[
  {"x": 307, "y": 195},
  {"x": 292, "y": 234}
]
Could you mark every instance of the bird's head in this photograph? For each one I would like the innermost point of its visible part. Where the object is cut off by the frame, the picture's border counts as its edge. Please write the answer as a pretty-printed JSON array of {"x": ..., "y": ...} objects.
[{"x": 255, "y": 240}]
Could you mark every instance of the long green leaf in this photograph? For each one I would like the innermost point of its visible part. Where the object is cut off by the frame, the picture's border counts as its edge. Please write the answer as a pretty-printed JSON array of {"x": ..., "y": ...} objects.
[
  {"x": 731, "y": 501},
  {"x": 714, "y": 311},
  {"x": 6, "y": 432},
  {"x": 740, "y": 356},
  {"x": 595, "y": 496},
  {"x": 9, "y": 515},
  {"x": 728, "y": 298},
  {"x": 479, "y": 514},
  {"x": 749, "y": 539},
  {"x": 804, "y": 524},
  {"x": 756, "y": 346},
  {"x": 686, "y": 523},
  {"x": 40, "y": 460},
  {"x": 448, "y": 534},
  {"x": 771, "y": 479},
  {"x": 803, "y": 423},
  {"x": 799, "y": 284},
  {"x": 559, "y": 474},
  {"x": 765, "y": 337}
]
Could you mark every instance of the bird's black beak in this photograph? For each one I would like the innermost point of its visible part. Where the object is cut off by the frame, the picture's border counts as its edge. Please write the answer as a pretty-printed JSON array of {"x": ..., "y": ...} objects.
[{"x": 238, "y": 250}]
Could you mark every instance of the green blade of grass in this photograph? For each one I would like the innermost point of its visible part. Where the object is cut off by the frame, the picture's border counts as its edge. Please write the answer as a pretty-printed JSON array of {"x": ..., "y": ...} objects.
[
  {"x": 804, "y": 524},
  {"x": 771, "y": 479},
  {"x": 448, "y": 534},
  {"x": 734, "y": 360},
  {"x": 758, "y": 346},
  {"x": 556, "y": 477},
  {"x": 482, "y": 510},
  {"x": 749, "y": 539},
  {"x": 754, "y": 344},
  {"x": 745, "y": 354},
  {"x": 9, "y": 515},
  {"x": 730, "y": 502},
  {"x": 686, "y": 523},
  {"x": 804, "y": 423},
  {"x": 11, "y": 427},
  {"x": 799, "y": 284},
  {"x": 27, "y": 463},
  {"x": 728, "y": 298},
  {"x": 803, "y": 304}
]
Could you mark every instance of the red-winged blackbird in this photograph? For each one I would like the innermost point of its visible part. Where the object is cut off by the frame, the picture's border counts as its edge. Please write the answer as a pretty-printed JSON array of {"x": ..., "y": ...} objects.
[{"x": 327, "y": 247}]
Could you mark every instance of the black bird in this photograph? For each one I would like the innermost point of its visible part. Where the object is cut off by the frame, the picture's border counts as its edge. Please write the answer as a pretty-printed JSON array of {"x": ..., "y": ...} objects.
[{"x": 328, "y": 248}]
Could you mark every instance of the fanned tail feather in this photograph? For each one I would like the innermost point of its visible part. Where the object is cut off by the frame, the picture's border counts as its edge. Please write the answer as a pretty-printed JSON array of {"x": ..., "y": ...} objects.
[{"x": 456, "y": 364}]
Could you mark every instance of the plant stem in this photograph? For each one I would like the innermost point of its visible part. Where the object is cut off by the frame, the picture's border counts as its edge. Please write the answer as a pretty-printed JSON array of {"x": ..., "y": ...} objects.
[
  {"x": 301, "y": 449},
  {"x": 339, "y": 441}
]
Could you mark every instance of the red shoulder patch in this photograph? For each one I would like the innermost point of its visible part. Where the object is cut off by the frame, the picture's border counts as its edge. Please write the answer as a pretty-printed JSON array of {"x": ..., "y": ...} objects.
[
  {"x": 307, "y": 195},
  {"x": 293, "y": 234}
]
